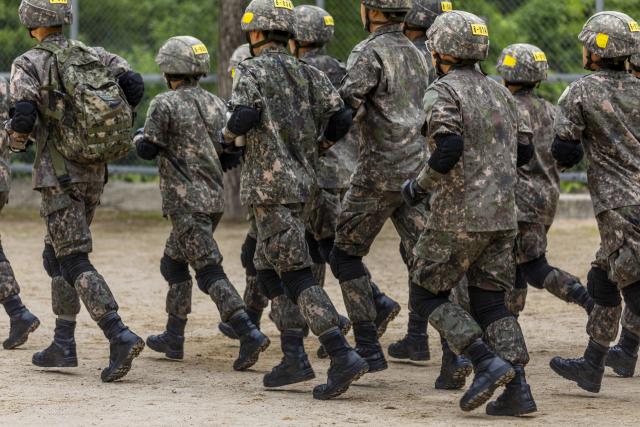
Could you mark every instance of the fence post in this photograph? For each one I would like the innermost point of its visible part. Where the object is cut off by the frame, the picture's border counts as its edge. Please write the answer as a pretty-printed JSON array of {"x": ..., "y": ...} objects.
[
  {"x": 75, "y": 27},
  {"x": 320, "y": 4},
  {"x": 599, "y": 6}
]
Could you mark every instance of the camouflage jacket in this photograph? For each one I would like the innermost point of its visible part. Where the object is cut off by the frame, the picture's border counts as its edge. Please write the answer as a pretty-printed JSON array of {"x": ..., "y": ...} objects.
[
  {"x": 184, "y": 123},
  {"x": 29, "y": 73},
  {"x": 5, "y": 161},
  {"x": 478, "y": 194},
  {"x": 388, "y": 75},
  {"x": 421, "y": 43},
  {"x": 282, "y": 150},
  {"x": 335, "y": 168},
  {"x": 538, "y": 187},
  {"x": 603, "y": 111}
]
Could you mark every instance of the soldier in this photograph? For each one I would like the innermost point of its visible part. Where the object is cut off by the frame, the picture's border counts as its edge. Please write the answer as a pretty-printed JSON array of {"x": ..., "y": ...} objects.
[
  {"x": 71, "y": 191},
  {"x": 181, "y": 129},
  {"x": 388, "y": 107},
  {"x": 476, "y": 138},
  {"x": 522, "y": 67},
  {"x": 278, "y": 106},
  {"x": 21, "y": 320},
  {"x": 601, "y": 112},
  {"x": 634, "y": 65}
]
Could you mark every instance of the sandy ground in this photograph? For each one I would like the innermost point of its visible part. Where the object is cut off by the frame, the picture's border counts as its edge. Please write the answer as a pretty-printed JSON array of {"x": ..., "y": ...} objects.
[{"x": 203, "y": 389}]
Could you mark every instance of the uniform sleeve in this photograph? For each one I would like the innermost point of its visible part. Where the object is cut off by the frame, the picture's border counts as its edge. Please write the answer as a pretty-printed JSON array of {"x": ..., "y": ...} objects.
[
  {"x": 5, "y": 100},
  {"x": 113, "y": 62},
  {"x": 157, "y": 125},
  {"x": 245, "y": 89},
  {"x": 363, "y": 75},
  {"x": 332, "y": 100},
  {"x": 24, "y": 82},
  {"x": 525, "y": 134},
  {"x": 569, "y": 123},
  {"x": 442, "y": 112}
]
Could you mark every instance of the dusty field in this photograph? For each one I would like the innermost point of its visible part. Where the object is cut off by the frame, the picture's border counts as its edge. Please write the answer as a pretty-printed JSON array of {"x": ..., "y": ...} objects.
[{"x": 203, "y": 389}]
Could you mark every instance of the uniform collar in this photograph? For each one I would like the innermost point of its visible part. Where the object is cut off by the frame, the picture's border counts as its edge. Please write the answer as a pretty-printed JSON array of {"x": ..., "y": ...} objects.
[
  {"x": 55, "y": 37},
  {"x": 273, "y": 49},
  {"x": 390, "y": 28},
  {"x": 318, "y": 51},
  {"x": 187, "y": 84},
  {"x": 421, "y": 39}
]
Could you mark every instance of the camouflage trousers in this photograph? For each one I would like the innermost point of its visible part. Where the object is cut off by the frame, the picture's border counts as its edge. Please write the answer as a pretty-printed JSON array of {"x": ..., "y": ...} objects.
[
  {"x": 68, "y": 216},
  {"x": 191, "y": 241},
  {"x": 253, "y": 297},
  {"x": 325, "y": 212},
  {"x": 8, "y": 285},
  {"x": 487, "y": 259}
]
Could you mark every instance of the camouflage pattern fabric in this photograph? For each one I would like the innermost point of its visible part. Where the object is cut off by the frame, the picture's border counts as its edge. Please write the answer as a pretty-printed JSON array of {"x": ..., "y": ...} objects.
[
  {"x": 391, "y": 148},
  {"x": 318, "y": 310},
  {"x": 630, "y": 321},
  {"x": 30, "y": 73},
  {"x": 619, "y": 252},
  {"x": 191, "y": 239},
  {"x": 95, "y": 294},
  {"x": 325, "y": 213},
  {"x": 286, "y": 315},
  {"x": 538, "y": 185},
  {"x": 45, "y": 13},
  {"x": 515, "y": 301},
  {"x": 604, "y": 323},
  {"x": 635, "y": 61},
  {"x": 282, "y": 150},
  {"x": 622, "y": 37},
  {"x": 253, "y": 297},
  {"x": 313, "y": 25},
  {"x": 179, "y": 298},
  {"x": 459, "y": 34},
  {"x": 64, "y": 297},
  {"x": 240, "y": 54},
  {"x": 226, "y": 298},
  {"x": 8, "y": 285},
  {"x": 424, "y": 12},
  {"x": 505, "y": 338},
  {"x": 531, "y": 241},
  {"x": 5, "y": 161},
  {"x": 460, "y": 295},
  {"x": 184, "y": 55},
  {"x": 456, "y": 325},
  {"x": 265, "y": 15},
  {"x": 184, "y": 123},
  {"x": 560, "y": 283},
  {"x": 522, "y": 63},
  {"x": 421, "y": 43},
  {"x": 602, "y": 110},
  {"x": 444, "y": 257},
  {"x": 358, "y": 299},
  {"x": 388, "y": 5},
  {"x": 477, "y": 195},
  {"x": 319, "y": 272}
]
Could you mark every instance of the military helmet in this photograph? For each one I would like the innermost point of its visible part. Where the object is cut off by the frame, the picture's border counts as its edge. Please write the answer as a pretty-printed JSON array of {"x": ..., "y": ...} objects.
[
  {"x": 459, "y": 34},
  {"x": 522, "y": 63},
  {"x": 611, "y": 35},
  {"x": 635, "y": 62},
  {"x": 388, "y": 5},
  {"x": 269, "y": 15},
  {"x": 184, "y": 55},
  {"x": 45, "y": 13},
  {"x": 313, "y": 25},
  {"x": 240, "y": 54},
  {"x": 424, "y": 12}
]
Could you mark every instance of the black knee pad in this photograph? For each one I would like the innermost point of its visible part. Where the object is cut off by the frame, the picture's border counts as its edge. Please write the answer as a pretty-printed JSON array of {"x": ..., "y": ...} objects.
[
  {"x": 346, "y": 267},
  {"x": 426, "y": 301},
  {"x": 50, "y": 262},
  {"x": 632, "y": 297},
  {"x": 603, "y": 291},
  {"x": 174, "y": 271},
  {"x": 487, "y": 306},
  {"x": 3, "y": 257},
  {"x": 208, "y": 275},
  {"x": 270, "y": 283},
  {"x": 536, "y": 271},
  {"x": 314, "y": 248},
  {"x": 521, "y": 282},
  {"x": 295, "y": 282},
  {"x": 248, "y": 252},
  {"x": 325, "y": 246},
  {"x": 73, "y": 265}
]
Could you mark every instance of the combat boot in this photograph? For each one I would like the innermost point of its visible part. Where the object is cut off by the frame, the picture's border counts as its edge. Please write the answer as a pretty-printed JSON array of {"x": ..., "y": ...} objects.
[
  {"x": 252, "y": 341},
  {"x": 580, "y": 296},
  {"x": 62, "y": 351},
  {"x": 491, "y": 372},
  {"x": 386, "y": 309},
  {"x": 295, "y": 366},
  {"x": 124, "y": 346},
  {"x": 454, "y": 370},
  {"x": 22, "y": 322},
  {"x": 171, "y": 342},
  {"x": 346, "y": 366},
  {"x": 516, "y": 399},
  {"x": 254, "y": 314},
  {"x": 586, "y": 371},
  {"x": 415, "y": 345},
  {"x": 369, "y": 348},
  {"x": 624, "y": 355},
  {"x": 345, "y": 327}
]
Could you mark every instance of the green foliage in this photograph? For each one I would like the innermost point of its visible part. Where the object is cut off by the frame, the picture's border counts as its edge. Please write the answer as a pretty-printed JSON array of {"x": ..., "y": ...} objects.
[{"x": 573, "y": 187}]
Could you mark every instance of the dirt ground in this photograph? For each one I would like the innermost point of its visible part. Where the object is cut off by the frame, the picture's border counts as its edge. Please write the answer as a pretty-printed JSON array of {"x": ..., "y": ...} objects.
[{"x": 203, "y": 389}]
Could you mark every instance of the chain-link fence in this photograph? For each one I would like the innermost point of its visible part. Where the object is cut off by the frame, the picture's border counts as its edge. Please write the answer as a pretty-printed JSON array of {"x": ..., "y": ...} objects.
[{"x": 135, "y": 30}]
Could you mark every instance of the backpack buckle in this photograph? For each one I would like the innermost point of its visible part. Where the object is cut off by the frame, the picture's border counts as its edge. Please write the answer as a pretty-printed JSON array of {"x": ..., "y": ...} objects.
[{"x": 67, "y": 121}]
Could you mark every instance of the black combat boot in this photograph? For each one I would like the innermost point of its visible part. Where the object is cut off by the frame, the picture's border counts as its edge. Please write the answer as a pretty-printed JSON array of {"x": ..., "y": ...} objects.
[
  {"x": 491, "y": 372},
  {"x": 124, "y": 346},
  {"x": 516, "y": 399},
  {"x": 254, "y": 314},
  {"x": 252, "y": 341},
  {"x": 586, "y": 371},
  {"x": 386, "y": 309},
  {"x": 346, "y": 366},
  {"x": 624, "y": 355},
  {"x": 22, "y": 322},
  {"x": 171, "y": 342},
  {"x": 415, "y": 345},
  {"x": 62, "y": 351},
  {"x": 454, "y": 370},
  {"x": 580, "y": 296},
  {"x": 295, "y": 367},
  {"x": 369, "y": 348},
  {"x": 345, "y": 327}
]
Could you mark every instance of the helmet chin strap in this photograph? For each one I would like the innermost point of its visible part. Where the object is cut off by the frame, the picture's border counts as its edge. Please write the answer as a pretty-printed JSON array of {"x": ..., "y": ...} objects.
[
  {"x": 605, "y": 63},
  {"x": 461, "y": 64},
  {"x": 270, "y": 37},
  {"x": 408, "y": 27},
  {"x": 392, "y": 18}
]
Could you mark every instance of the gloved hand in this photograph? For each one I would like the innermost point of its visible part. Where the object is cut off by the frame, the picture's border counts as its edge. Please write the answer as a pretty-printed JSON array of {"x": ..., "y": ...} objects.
[
  {"x": 226, "y": 146},
  {"x": 412, "y": 193},
  {"x": 138, "y": 135},
  {"x": 230, "y": 160},
  {"x": 133, "y": 87}
]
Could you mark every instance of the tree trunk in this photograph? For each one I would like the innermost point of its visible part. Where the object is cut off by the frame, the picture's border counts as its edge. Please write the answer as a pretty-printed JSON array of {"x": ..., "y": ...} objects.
[{"x": 230, "y": 36}]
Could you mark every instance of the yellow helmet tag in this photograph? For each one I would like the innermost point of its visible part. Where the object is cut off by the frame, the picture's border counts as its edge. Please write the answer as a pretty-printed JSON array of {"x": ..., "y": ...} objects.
[
  {"x": 539, "y": 56},
  {"x": 285, "y": 4},
  {"x": 633, "y": 26},
  {"x": 233, "y": 72},
  {"x": 199, "y": 49},
  {"x": 247, "y": 18},
  {"x": 446, "y": 6},
  {"x": 602, "y": 40},
  {"x": 328, "y": 20},
  {"x": 509, "y": 61},
  {"x": 58, "y": 1},
  {"x": 479, "y": 30}
]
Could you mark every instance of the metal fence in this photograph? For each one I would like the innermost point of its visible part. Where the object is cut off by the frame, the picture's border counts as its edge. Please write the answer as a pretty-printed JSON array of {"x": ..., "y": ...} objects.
[{"x": 135, "y": 30}]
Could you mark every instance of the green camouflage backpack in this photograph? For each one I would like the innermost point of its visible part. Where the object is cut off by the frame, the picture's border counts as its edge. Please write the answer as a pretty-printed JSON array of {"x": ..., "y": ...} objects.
[{"x": 89, "y": 120}]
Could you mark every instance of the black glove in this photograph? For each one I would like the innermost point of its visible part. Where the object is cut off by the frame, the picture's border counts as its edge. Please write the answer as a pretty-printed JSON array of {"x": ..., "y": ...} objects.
[
  {"x": 243, "y": 119},
  {"x": 427, "y": 202},
  {"x": 133, "y": 87},
  {"x": 230, "y": 160},
  {"x": 525, "y": 154},
  {"x": 577, "y": 158},
  {"x": 412, "y": 193},
  {"x": 567, "y": 152}
]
